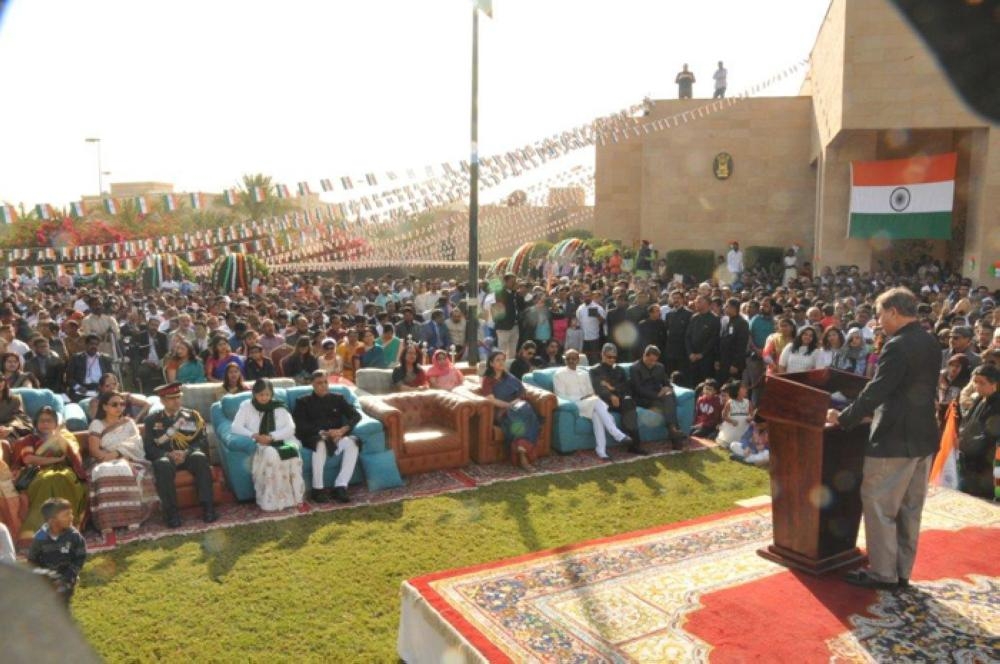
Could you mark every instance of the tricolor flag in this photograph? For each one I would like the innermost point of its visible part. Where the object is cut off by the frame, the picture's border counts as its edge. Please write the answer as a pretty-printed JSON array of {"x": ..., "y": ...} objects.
[
  {"x": 44, "y": 211},
  {"x": 196, "y": 201},
  {"x": 282, "y": 191},
  {"x": 7, "y": 214},
  {"x": 258, "y": 194},
  {"x": 326, "y": 184},
  {"x": 370, "y": 177},
  {"x": 76, "y": 210},
  {"x": 485, "y": 6},
  {"x": 230, "y": 196},
  {"x": 169, "y": 202},
  {"x": 346, "y": 182},
  {"x": 304, "y": 189},
  {"x": 141, "y": 205},
  {"x": 902, "y": 199},
  {"x": 110, "y": 206}
]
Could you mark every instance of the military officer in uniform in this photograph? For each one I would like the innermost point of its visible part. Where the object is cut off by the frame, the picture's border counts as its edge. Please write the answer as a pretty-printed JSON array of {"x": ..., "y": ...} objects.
[{"x": 175, "y": 439}]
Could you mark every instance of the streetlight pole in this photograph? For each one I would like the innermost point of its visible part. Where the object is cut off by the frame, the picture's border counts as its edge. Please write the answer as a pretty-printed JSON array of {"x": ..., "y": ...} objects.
[
  {"x": 472, "y": 293},
  {"x": 100, "y": 170}
]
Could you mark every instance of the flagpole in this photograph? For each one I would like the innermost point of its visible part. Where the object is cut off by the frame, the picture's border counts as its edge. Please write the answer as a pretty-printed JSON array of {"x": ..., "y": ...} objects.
[{"x": 472, "y": 291}]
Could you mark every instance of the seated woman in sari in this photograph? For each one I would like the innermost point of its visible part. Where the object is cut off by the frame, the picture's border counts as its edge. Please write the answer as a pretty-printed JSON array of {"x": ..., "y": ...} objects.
[
  {"x": 442, "y": 374},
  {"x": 409, "y": 376},
  {"x": 13, "y": 371},
  {"x": 14, "y": 424},
  {"x": 277, "y": 466},
  {"x": 122, "y": 492},
  {"x": 511, "y": 412},
  {"x": 136, "y": 405},
  {"x": 55, "y": 452}
]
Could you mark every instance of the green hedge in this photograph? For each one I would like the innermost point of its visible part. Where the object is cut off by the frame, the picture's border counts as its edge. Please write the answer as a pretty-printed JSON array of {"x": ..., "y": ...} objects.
[
  {"x": 698, "y": 263},
  {"x": 770, "y": 258},
  {"x": 604, "y": 251}
]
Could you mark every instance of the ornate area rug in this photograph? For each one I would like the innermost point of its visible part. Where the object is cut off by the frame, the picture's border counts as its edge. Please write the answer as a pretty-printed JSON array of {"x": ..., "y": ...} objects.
[{"x": 698, "y": 591}]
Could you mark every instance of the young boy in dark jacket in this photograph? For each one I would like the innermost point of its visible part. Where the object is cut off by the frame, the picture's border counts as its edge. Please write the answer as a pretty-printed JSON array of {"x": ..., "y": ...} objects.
[{"x": 59, "y": 547}]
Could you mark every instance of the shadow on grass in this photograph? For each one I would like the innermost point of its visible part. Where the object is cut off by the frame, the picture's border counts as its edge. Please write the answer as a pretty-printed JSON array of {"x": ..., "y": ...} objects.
[{"x": 520, "y": 500}]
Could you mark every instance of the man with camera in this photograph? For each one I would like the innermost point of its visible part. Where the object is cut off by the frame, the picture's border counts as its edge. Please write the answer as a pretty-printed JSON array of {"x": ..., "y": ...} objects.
[{"x": 149, "y": 350}]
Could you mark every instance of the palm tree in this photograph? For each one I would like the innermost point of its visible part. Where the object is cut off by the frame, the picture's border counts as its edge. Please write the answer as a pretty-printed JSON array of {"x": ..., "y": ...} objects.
[{"x": 257, "y": 199}]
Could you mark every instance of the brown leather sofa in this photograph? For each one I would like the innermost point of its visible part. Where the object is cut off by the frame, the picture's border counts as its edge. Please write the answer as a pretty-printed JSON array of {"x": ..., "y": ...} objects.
[
  {"x": 187, "y": 492},
  {"x": 488, "y": 445},
  {"x": 427, "y": 430}
]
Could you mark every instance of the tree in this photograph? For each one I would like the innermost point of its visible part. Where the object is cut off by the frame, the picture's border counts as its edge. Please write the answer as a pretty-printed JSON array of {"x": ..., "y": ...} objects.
[{"x": 257, "y": 199}]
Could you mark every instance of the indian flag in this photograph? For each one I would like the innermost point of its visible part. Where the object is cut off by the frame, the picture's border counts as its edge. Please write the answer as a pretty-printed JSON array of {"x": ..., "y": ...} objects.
[
  {"x": 141, "y": 205},
  {"x": 258, "y": 194},
  {"x": 7, "y": 215},
  {"x": 230, "y": 196},
  {"x": 196, "y": 202},
  {"x": 901, "y": 199},
  {"x": 169, "y": 203},
  {"x": 76, "y": 210},
  {"x": 110, "y": 206}
]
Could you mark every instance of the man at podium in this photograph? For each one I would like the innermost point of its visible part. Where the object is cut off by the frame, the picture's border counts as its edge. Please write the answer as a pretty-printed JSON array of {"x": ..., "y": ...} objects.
[{"x": 903, "y": 441}]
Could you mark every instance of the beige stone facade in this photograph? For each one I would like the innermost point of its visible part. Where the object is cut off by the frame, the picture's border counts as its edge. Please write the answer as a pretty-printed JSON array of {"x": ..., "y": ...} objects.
[{"x": 872, "y": 92}]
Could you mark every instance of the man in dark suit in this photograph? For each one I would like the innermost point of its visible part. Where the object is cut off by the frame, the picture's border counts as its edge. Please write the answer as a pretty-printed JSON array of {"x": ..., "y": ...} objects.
[
  {"x": 702, "y": 340},
  {"x": 653, "y": 331},
  {"x": 46, "y": 366},
  {"x": 435, "y": 333},
  {"x": 675, "y": 356},
  {"x": 902, "y": 443},
  {"x": 733, "y": 344},
  {"x": 323, "y": 423},
  {"x": 150, "y": 350},
  {"x": 652, "y": 389},
  {"x": 620, "y": 331},
  {"x": 612, "y": 386},
  {"x": 84, "y": 370}
]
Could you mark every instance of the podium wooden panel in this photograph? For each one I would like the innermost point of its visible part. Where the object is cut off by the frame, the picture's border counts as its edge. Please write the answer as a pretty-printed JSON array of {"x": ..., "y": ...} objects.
[{"x": 815, "y": 471}]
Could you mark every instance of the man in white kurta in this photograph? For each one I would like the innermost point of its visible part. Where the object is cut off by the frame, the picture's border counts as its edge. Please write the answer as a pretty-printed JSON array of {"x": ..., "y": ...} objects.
[{"x": 574, "y": 385}]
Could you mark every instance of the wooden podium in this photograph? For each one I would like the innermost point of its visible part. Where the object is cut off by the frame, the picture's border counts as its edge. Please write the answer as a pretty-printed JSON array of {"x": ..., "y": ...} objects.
[{"x": 815, "y": 471}]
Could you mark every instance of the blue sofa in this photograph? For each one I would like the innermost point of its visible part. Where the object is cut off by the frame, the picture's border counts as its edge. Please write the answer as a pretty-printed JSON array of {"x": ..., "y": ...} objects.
[
  {"x": 571, "y": 432},
  {"x": 236, "y": 452},
  {"x": 69, "y": 413}
]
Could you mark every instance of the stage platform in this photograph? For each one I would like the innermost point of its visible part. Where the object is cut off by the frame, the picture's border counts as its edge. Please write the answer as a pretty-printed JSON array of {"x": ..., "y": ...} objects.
[{"x": 697, "y": 591}]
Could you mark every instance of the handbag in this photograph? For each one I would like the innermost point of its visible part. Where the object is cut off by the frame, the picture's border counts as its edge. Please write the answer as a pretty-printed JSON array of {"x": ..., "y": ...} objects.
[{"x": 26, "y": 477}]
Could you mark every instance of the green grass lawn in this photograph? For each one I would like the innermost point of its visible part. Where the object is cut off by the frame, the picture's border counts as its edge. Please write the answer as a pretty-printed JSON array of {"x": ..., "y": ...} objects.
[{"x": 325, "y": 587}]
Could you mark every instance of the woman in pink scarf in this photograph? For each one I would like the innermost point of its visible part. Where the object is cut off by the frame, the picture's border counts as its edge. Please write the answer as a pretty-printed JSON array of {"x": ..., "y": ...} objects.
[{"x": 442, "y": 374}]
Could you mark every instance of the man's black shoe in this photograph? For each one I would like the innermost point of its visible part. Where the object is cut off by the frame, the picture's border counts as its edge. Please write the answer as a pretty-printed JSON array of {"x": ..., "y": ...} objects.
[
  {"x": 627, "y": 442},
  {"x": 210, "y": 515},
  {"x": 635, "y": 449},
  {"x": 319, "y": 496},
  {"x": 340, "y": 495},
  {"x": 174, "y": 521},
  {"x": 903, "y": 582},
  {"x": 863, "y": 579}
]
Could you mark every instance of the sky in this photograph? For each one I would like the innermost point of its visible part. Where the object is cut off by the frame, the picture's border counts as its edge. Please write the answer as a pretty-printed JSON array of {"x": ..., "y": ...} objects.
[{"x": 198, "y": 93}]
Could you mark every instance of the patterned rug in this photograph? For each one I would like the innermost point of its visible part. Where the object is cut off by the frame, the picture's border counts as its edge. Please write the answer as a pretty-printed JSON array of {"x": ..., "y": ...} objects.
[
  {"x": 415, "y": 486},
  {"x": 698, "y": 591}
]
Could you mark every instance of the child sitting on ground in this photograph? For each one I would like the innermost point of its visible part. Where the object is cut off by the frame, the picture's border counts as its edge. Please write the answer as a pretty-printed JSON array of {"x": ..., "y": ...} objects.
[
  {"x": 753, "y": 447},
  {"x": 59, "y": 547},
  {"x": 708, "y": 411}
]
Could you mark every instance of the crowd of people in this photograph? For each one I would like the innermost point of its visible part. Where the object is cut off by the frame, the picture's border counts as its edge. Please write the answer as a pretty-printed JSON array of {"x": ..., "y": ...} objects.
[{"x": 644, "y": 331}]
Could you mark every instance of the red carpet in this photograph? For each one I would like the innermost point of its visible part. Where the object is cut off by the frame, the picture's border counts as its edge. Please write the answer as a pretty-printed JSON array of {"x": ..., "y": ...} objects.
[
  {"x": 810, "y": 611},
  {"x": 697, "y": 591}
]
